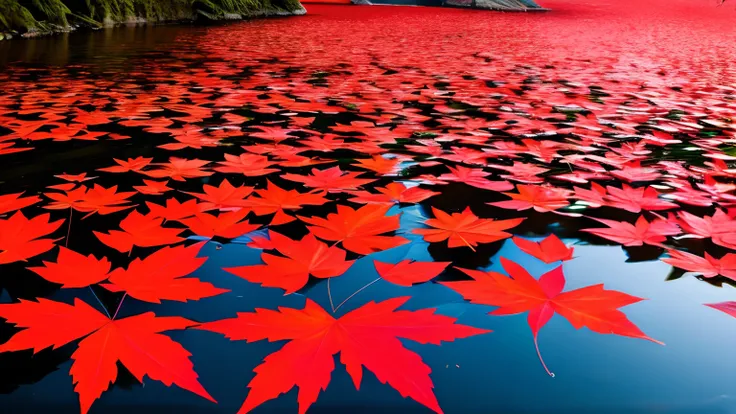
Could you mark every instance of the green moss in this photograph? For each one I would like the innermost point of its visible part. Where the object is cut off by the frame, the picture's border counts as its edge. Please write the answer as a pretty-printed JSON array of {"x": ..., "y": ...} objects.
[
  {"x": 14, "y": 16},
  {"x": 45, "y": 15}
]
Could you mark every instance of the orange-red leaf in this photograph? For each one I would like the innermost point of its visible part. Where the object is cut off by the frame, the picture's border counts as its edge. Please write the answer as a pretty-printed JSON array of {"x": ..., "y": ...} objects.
[
  {"x": 593, "y": 307},
  {"x": 20, "y": 238},
  {"x": 407, "y": 272},
  {"x": 227, "y": 225},
  {"x": 366, "y": 337},
  {"x": 393, "y": 193},
  {"x": 360, "y": 230},
  {"x": 465, "y": 229},
  {"x": 162, "y": 276},
  {"x": 274, "y": 200},
  {"x": 225, "y": 197},
  {"x": 179, "y": 169},
  {"x": 136, "y": 342},
  {"x": 12, "y": 202},
  {"x": 139, "y": 230},
  {"x": 301, "y": 258},
  {"x": 332, "y": 179},
  {"x": 540, "y": 198},
  {"x": 74, "y": 270},
  {"x": 549, "y": 250}
]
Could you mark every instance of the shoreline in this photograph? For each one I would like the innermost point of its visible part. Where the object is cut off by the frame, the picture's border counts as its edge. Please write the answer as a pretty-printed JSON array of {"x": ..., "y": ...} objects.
[{"x": 20, "y": 22}]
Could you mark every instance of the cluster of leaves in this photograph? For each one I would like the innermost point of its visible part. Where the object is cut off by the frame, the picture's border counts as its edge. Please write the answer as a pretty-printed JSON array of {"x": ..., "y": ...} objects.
[{"x": 318, "y": 164}]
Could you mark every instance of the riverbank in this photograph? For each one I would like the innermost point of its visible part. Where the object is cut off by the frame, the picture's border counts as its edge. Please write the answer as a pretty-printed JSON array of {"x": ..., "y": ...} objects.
[{"x": 42, "y": 17}]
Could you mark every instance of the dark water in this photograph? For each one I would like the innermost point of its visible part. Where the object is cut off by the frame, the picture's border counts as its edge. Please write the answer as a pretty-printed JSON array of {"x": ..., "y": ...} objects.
[{"x": 679, "y": 58}]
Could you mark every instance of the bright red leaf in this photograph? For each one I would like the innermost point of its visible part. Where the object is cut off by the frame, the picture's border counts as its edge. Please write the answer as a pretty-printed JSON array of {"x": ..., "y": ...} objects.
[
  {"x": 541, "y": 199},
  {"x": 21, "y": 238},
  {"x": 407, "y": 272},
  {"x": 139, "y": 230},
  {"x": 228, "y": 225},
  {"x": 162, "y": 276},
  {"x": 395, "y": 192},
  {"x": 12, "y": 202},
  {"x": 225, "y": 197},
  {"x": 74, "y": 270},
  {"x": 643, "y": 232},
  {"x": 332, "y": 179},
  {"x": 366, "y": 337},
  {"x": 360, "y": 231},
  {"x": 136, "y": 342},
  {"x": 300, "y": 259},
  {"x": 465, "y": 229},
  {"x": 551, "y": 249},
  {"x": 593, "y": 307},
  {"x": 275, "y": 200},
  {"x": 707, "y": 266},
  {"x": 179, "y": 169}
]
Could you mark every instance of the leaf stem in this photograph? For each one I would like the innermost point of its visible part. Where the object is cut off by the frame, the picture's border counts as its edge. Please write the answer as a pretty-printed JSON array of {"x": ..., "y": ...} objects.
[
  {"x": 329, "y": 295},
  {"x": 69, "y": 229},
  {"x": 119, "y": 305},
  {"x": 539, "y": 354},
  {"x": 102, "y": 305},
  {"x": 355, "y": 293},
  {"x": 466, "y": 242}
]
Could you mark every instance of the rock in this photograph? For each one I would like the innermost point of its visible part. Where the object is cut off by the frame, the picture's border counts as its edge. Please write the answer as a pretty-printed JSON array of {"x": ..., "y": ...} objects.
[{"x": 508, "y": 5}]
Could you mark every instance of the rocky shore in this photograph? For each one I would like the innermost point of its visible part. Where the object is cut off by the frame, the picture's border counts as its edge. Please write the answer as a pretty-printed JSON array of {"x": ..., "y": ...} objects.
[{"x": 42, "y": 17}]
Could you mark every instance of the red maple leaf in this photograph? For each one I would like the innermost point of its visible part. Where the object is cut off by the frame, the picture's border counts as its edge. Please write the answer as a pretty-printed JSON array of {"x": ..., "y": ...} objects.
[
  {"x": 720, "y": 227},
  {"x": 638, "y": 234},
  {"x": 20, "y": 238},
  {"x": 228, "y": 225},
  {"x": 136, "y": 342},
  {"x": 379, "y": 164},
  {"x": 407, "y": 272},
  {"x": 728, "y": 308},
  {"x": 139, "y": 230},
  {"x": 101, "y": 200},
  {"x": 332, "y": 179},
  {"x": 74, "y": 178},
  {"x": 174, "y": 210},
  {"x": 179, "y": 169},
  {"x": 225, "y": 197},
  {"x": 540, "y": 198},
  {"x": 8, "y": 148},
  {"x": 74, "y": 270},
  {"x": 162, "y": 276},
  {"x": 97, "y": 199},
  {"x": 366, "y": 337},
  {"x": 634, "y": 172},
  {"x": 595, "y": 197},
  {"x": 476, "y": 178},
  {"x": 465, "y": 229},
  {"x": 549, "y": 250},
  {"x": 250, "y": 165},
  {"x": 132, "y": 164},
  {"x": 12, "y": 202},
  {"x": 636, "y": 199},
  {"x": 301, "y": 258},
  {"x": 274, "y": 200},
  {"x": 395, "y": 192},
  {"x": 360, "y": 231},
  {"x": 593, "y": 306},
  {"x": 152, "y": 187},
  {"x": 707, "y": 266}
]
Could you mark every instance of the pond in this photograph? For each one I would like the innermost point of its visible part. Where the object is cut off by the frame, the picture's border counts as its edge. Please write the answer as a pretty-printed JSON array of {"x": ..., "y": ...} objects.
[{"x": 304, "y": 157}]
